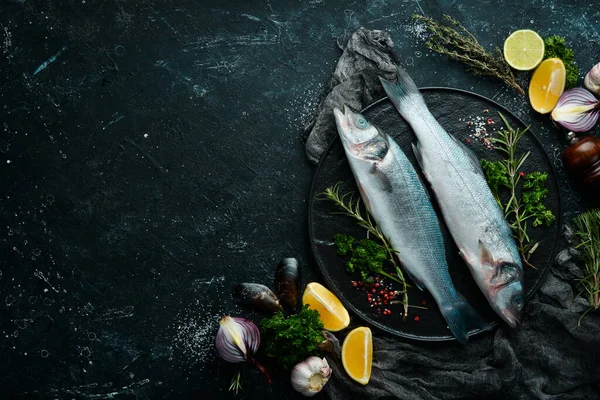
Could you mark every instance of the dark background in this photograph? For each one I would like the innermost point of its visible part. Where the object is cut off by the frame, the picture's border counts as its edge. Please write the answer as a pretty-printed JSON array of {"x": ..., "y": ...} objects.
[{"x": 151, "y": 156}]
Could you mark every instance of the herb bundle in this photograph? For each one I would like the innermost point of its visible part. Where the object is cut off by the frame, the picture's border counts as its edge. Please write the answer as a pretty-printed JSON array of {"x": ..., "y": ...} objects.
[
  {"x": 588, "y": 231},
  {"x": 454, "y": 40},
  {"x": 526, "y": 192},
  {"x": 368, "y": 253}
]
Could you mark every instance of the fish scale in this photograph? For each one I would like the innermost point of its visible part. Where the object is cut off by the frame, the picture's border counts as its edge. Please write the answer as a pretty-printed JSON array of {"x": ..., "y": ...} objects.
[
  {"x": 398, "y": 202},
  {"x": 470, "y": 211}
]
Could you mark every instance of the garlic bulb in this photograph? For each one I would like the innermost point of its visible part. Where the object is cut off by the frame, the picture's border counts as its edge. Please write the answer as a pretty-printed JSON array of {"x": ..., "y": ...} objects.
[
  {"x": 309, "y": 376},
  {"x": 592, "y": 79}
]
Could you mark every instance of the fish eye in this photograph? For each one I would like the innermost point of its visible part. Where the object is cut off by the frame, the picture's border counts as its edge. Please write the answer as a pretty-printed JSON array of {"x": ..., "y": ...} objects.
[
  {"x": 361, "y": 122},
  {"x": 509, "y": 270},
  {"x": 518, "y": 301}
]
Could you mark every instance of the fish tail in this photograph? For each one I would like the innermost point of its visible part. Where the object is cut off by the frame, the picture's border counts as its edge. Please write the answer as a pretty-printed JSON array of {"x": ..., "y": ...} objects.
[
  {"x": 461, "y": 318},
  {"x": 404, "y": 94}
]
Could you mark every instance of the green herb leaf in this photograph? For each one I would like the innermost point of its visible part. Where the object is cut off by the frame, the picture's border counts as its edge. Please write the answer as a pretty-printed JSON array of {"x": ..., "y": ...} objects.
[
  {"x": 349, "y": 207},
  {"x": 343, "y": 243},
  {"x": 367, "y": 257},
  {"x": 588, "y": 231},
  {"x": 523, "y": 206},
  {"x": 533, "y": 193},
  {"x": 556, "y": 47},
  {"x": 496, "y": 175},
  {"x": 291, "y": 340}
]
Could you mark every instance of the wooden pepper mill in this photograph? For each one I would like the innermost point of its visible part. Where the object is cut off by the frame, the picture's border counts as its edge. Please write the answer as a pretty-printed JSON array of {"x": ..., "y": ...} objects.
[{"x": 582, "y": 159}]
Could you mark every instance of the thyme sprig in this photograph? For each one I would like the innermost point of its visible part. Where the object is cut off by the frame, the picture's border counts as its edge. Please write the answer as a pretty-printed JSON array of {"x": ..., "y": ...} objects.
[
  {"x": 454, "y": 40},
  {"x": 352, "y": 208},
  {"x": 588, "y": 232}
]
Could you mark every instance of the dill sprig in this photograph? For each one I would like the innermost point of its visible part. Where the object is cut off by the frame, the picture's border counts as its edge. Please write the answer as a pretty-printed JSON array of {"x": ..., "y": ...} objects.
[
  {"x": 588, "y": 232},
  {"x": 352, "y": 209},
  {"x": 455, "y": 41},
  {"x": 527, "y": 193}
]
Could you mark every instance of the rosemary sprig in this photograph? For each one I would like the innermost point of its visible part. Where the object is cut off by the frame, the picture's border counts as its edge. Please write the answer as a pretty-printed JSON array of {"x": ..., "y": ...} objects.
[
  {"x": 455, "y": 41},
  {"x": 506, "y": 142},
  {"x": 588, "y": 231},
  {"x": 352, "y": 209},
  {"x": 525, "y": 203}
]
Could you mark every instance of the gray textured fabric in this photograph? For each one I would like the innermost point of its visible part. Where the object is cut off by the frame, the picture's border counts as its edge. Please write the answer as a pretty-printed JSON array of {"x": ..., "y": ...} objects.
[
  {"x": 547, "y": 357},
  {"x": 355, "y": 83}
]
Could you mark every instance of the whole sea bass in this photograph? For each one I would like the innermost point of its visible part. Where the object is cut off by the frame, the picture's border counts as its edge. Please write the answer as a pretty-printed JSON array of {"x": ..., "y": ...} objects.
[
  {"x": 471, "y": 213},
  {"x": 400, "y": 205}
]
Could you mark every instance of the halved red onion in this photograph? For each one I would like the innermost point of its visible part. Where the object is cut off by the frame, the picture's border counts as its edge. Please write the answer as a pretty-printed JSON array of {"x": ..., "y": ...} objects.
[
  {"x": 237, "y": 339},
  {"x": 577, "y": 110}
]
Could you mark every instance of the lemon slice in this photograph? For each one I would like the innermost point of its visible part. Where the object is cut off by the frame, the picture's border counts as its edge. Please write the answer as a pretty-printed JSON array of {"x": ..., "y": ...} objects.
[
  {"x": 547, "y": 84},
  {"x": 357, "y": 354},
  {"x": 331, "y": 311},
  {"x": 524, "y": 49}
]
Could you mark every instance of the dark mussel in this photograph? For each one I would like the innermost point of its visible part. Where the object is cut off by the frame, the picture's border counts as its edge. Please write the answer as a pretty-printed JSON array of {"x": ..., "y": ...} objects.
[
  {"x": 287, "y": 283},
  {"x": 256, "y": 296}
]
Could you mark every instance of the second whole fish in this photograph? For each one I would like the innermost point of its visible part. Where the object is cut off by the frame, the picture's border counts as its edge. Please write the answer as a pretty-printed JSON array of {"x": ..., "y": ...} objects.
[
  {"x": 470, "y": 211},
  {"x": 397, "y": 200}
]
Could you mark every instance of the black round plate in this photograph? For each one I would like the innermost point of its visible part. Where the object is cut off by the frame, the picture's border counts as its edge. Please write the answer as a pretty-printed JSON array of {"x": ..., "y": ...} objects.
[{"x": 453, "y": 109}]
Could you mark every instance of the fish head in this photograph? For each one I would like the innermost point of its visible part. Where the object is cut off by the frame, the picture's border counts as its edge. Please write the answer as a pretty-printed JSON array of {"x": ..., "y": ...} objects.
[
  {"x": 502, "y": 281},
  {"x": 360, "y": 138},
  {"x": 505, "y": 292}
]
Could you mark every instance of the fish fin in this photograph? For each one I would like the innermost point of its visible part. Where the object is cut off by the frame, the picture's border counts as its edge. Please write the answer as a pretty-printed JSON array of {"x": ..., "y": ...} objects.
[
  {"x": 461, "y": 318},
  {"x": 417, "y": 150},
  {"x": 416, "y": 281},
  {"x": 404, "y": 94},
  {"x": 486, "y": 257},
  {"x": 381, "y": 179},
  {"x": 365, "y": 198},
  {"x": 470, "y": 154}
]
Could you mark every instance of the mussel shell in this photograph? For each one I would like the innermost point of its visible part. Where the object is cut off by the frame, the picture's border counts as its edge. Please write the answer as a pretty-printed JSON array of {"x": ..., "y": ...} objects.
[
  {"x": 287, "y": 283},
  {"x": 256, "y": 296}
]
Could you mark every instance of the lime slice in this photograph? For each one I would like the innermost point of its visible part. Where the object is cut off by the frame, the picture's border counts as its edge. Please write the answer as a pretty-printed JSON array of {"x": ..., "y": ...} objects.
[{"x": 524, "y": 49}]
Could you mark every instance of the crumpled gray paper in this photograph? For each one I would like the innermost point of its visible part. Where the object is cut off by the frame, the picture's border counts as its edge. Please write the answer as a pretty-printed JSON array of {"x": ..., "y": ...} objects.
[{"x": 355, "y": 83}]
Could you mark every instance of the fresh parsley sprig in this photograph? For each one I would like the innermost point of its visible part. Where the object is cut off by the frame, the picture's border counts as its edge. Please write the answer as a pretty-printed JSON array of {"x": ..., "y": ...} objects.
[
  {"x": 292, "y": 339},
  {"x": 526, "y": 192},
  {"x": 352, "y": 208}
]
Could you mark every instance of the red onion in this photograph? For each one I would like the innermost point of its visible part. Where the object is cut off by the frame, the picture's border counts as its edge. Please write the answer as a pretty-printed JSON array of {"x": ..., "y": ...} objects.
[
  {"x": 577, "y": 110},
  {"x": 237, "y": 341}
]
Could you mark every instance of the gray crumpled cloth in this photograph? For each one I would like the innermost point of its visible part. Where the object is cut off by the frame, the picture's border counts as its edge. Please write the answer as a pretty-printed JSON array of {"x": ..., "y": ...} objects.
[
  {"x": 355, "y": 83},
  {"x": 547, "y": 357}
]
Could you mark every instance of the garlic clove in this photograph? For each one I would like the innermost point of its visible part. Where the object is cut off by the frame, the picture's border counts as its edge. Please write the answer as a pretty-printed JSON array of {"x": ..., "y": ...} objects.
[
  {"x": 310, "y": 376},
  {"x": 592, "y": 79}
]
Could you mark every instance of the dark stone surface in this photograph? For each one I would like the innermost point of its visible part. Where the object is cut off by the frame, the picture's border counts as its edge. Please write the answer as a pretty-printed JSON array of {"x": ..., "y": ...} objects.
[{"x": 151, "y": 156}]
